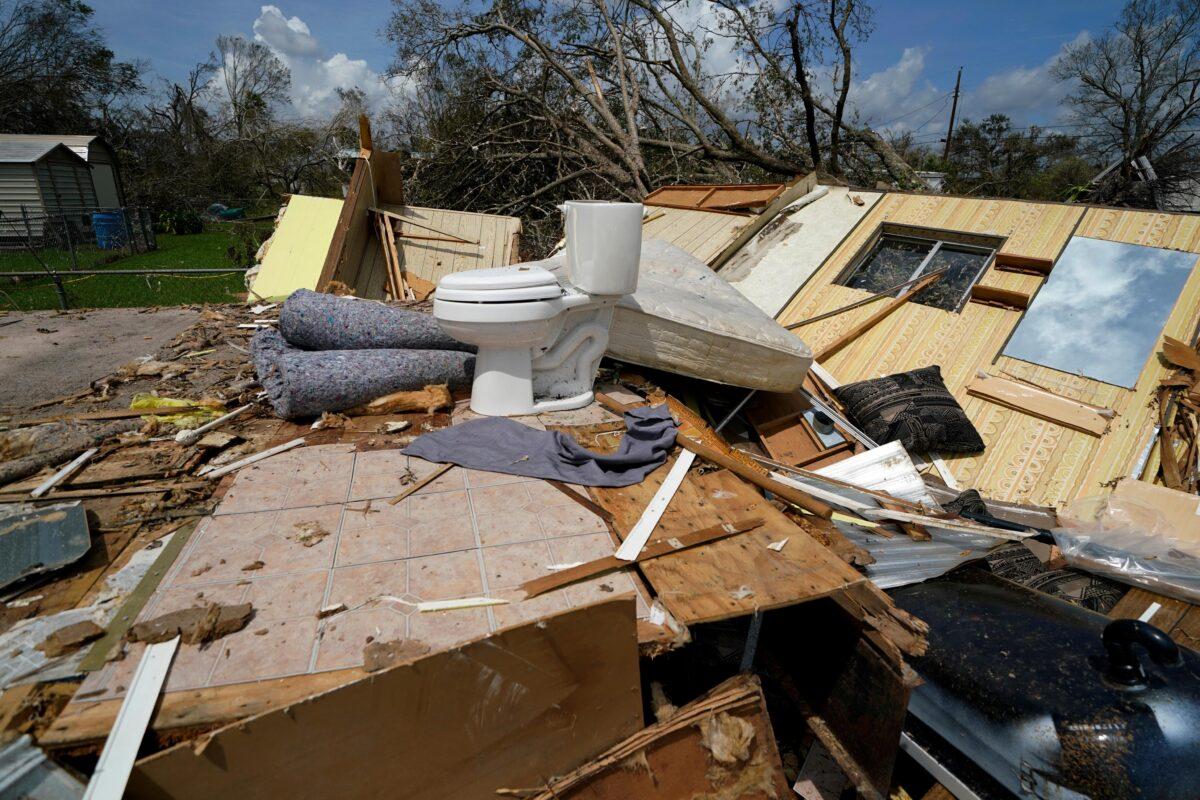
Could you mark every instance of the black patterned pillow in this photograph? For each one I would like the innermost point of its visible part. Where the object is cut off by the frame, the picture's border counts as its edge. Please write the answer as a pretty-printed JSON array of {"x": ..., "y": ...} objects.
[{"x": 914, "y": 408}]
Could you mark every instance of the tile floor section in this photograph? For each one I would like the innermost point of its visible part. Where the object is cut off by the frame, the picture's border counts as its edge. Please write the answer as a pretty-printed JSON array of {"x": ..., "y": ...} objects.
[{"x": 318, "y": 520}]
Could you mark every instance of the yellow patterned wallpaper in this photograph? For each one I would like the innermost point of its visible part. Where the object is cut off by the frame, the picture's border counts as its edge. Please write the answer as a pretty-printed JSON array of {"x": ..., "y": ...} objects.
[{"x": 1027, "y": 459}]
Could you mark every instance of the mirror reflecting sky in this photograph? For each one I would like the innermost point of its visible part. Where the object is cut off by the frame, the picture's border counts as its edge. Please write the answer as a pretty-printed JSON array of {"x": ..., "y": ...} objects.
[{"x": 1102, "y": 310}]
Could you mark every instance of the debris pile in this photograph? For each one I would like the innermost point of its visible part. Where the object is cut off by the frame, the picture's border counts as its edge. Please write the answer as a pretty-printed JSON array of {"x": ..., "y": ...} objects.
[{"x": 282, "y": 555}]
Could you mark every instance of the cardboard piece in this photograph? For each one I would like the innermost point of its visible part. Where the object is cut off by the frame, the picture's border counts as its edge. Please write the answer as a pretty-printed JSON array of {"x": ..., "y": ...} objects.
[{"x": 508, "y": 710}]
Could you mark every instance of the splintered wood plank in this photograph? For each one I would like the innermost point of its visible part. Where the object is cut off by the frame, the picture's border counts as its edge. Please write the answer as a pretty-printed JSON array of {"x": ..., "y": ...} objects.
[
  {"x": 508, "y": 710},
  {"x": 674, "y": 758},
  {"x": 737, "y": 575}
]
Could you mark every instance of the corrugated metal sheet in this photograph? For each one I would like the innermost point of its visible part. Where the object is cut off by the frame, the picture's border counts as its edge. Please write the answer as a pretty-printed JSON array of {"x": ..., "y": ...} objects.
[
  {"x": 66, "y": 182},
  {"x": 34, "y": 540},
  {"x": 18, "y": 187},
  {"x": 80, "y": 144},
  {"x": 1026, "y": 460}
]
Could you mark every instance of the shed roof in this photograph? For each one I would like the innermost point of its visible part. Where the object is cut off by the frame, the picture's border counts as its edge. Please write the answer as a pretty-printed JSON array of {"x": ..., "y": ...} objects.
[{"x": 77, "y": 143}]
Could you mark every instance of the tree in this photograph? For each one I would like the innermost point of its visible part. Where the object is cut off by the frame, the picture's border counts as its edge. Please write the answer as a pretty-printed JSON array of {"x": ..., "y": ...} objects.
[
  {"x": 1137, "y": 95},
  {"x": 992, "y": 158},
  {"x": 56, "y": 74},
  {"x": 253, "y": 78}
]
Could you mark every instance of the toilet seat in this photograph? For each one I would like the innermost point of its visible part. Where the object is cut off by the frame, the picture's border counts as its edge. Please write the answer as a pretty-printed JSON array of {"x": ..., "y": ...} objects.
[{"x": 499, "y": 285}]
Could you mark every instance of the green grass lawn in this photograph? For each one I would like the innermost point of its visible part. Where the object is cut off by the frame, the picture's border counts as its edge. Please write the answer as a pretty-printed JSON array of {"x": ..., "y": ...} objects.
[{"x": 196, "y": 251}]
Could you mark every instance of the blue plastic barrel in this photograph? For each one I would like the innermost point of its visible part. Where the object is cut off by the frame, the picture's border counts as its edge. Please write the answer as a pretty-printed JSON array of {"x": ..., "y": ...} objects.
[{"x": 110, "y": 229}]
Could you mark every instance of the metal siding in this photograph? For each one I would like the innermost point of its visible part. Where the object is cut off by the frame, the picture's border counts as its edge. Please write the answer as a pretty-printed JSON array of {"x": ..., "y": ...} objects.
[
  {"x": 1026, "y": 459},
  {"x": 18, "y": 187}
]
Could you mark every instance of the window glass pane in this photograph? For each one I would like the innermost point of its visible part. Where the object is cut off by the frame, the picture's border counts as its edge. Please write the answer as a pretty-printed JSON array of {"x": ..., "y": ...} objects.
[
  {"x": 1102, "y": 309},
  {"x": 892, "y": 261},
  {"x": 962, "y": 270}
]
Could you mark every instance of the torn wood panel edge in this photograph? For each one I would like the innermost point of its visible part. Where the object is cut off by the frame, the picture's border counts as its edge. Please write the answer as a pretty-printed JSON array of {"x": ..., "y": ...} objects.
[
  {"x": 999, "y": 298},
  {"x": 136, "y": 600},
  {"x": 657, "y": 549},
  {"x": 739, "y": 693},
  {"x": 1038, "y": 403},
  {"x": 1029, "y": 265}
]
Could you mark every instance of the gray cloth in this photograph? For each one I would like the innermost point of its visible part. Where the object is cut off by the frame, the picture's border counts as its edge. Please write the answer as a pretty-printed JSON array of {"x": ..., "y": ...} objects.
[
  {"x": 304, "y": 383},
  {"x": 499, "y": 444},
  {"x": 316, "y": 321}
]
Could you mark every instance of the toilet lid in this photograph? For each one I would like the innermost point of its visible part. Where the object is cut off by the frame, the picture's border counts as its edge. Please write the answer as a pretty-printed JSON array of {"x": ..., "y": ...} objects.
[{"x": 499, "y": 285}]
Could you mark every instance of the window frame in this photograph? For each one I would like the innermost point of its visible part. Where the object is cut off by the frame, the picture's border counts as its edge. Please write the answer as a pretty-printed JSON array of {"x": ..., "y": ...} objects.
[{"x": 988, "y": 245}]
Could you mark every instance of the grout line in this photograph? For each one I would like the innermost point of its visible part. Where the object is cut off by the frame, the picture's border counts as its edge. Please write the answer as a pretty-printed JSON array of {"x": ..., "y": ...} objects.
[
  {"x": 479, "y": 563},
  {"x": 337, "y": 544}
]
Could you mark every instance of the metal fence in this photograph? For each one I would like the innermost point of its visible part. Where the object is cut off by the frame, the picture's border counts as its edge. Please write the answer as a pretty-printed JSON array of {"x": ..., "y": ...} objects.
[{"x": 75, "y": 238}]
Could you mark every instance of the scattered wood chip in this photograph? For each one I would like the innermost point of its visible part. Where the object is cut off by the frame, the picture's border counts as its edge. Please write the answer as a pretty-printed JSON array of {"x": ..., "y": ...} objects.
[
  {"x": 329, "y": 611},
  {"x": 381, "y": 655},
  {"x": 396, "y": 427},
  {"x": 253, "y": 565},
  {"x": 70, "y": 638},
  {"x": 311, "y": 533},
  {"x": 778, "y": 546},
  {"x": 330, "y": 421},
  {"x": 195, "y": 625}
]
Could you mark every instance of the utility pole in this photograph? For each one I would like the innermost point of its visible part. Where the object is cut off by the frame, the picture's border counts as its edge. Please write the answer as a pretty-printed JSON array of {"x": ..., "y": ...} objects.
[{"x": 953, "y": 111}]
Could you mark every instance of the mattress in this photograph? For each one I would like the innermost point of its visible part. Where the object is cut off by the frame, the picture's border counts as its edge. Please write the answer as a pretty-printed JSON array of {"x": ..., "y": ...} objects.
[{"x": 686, "y": 319}]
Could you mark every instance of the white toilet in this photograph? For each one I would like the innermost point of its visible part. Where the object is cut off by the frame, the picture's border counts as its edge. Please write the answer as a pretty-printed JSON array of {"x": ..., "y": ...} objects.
[{"x": 540, "y": 340}]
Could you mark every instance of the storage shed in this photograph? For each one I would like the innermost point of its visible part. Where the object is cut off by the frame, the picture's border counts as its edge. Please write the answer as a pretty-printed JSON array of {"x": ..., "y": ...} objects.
[{"x": 50, "y": 172}]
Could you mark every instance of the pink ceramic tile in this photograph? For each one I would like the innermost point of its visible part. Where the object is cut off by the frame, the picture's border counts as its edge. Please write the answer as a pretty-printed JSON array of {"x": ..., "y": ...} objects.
[
  {"x": 508, "y": 527},
  {"x": 424, "y": 507},
  {"x": 287, "y": 555},
  {"x": 499, "y": 499},
  {"x": 526, "y": 610},
  {"x": 167, "y": 600},
  {"x": 377, "y": 486},
  {"x": 543, "y": 494},
  {"x": 444, "y": 629},
  {"x": 241, "y": 528},
  {"x": 512, "y": 564},
  {"x": 345, "y": 635},
  {"x": 441, "y": 535},
  {"x": 452, "y": 479},
  {"x": 445, "y": 576},
  {"x": 384, "y": 462},
  {"x": 374, "y": 512},
  {"x": 265, "y": 650},
  {"x": 605, "y": 587},
  {"x": 192, "y": 666},
  {"x": 376, "y": 543},
  {"x": 356, "y": 585},
  {"x": 477, "y": 478},
  {"x": 586, "y": 547},
  {"x": 568, "y": 520},
  {"x": 287, "y": 596},
  {"x": 216, "y": 563}
]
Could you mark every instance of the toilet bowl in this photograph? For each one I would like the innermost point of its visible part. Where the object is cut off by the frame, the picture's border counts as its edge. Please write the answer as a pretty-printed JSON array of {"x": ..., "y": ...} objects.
[{"x": 540, "y": 338}]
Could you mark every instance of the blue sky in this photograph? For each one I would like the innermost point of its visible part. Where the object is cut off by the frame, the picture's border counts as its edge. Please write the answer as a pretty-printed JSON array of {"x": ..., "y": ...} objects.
[{"x": 905, "y": 71}]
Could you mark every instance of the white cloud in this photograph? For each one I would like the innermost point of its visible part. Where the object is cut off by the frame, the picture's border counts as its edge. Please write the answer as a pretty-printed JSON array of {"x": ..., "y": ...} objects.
[
  {"x": 315, "y": 77},
  {"x": 1026, "y": 94},
  {"x": 901, "y": 98}
]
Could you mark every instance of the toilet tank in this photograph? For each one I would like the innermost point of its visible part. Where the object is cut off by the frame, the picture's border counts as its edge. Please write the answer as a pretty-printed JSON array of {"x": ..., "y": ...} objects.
[{"x": 604, "y": 246}]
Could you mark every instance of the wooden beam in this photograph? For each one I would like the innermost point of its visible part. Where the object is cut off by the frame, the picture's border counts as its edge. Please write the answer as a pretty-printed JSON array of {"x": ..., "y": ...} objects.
[
  {"x": 656, "y": 549},
  {"x": 873, "y": 320},
  {"x": 788, "y": 493},
  {"x": 1039, "y": 403},
  {"x": 1029, "y": 265},
  {"x": 422, "y": 483},
  {"x": 1001, "y": 298}
]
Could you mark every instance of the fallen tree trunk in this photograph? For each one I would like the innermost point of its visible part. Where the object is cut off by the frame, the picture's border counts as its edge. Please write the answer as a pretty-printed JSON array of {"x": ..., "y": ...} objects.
[{"x": 54, "y": 444}]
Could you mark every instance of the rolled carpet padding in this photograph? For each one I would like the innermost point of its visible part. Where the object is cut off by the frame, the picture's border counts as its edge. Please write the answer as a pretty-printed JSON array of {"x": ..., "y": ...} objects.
[
  {"x": 316, "y": 321},
  {"x": 306, "y": 383}
]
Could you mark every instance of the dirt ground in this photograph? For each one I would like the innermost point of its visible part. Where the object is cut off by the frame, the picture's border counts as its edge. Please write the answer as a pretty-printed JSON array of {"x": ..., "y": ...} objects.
[{"x": 45, "y": 354}]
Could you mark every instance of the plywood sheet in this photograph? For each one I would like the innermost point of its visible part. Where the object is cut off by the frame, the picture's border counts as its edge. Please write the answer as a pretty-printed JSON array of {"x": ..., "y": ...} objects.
[
  {"x": 734, "y": 576},
  {"x": 493, "y": 240},
  {"x": 508, "y": 710},
  {"x": 296, "y": 251},
  {"x": 1026, "y": 460}
]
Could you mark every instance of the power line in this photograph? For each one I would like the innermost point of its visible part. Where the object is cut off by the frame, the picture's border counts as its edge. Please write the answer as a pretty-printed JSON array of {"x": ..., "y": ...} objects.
[{"x": 915, "y": 110}]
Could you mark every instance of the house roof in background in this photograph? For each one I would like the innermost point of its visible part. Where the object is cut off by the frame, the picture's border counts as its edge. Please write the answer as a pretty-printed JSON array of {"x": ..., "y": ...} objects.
[
  {"x": 19, "y": 150},
  {"x": 77, "y": 143}
]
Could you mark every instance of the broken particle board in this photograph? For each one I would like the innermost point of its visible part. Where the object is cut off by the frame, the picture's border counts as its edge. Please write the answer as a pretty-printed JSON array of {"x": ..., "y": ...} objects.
[
  {"x": 734, "y": 576},
  {"x": 718, "y": 746},
  {"x": 508, "y": 710}
]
